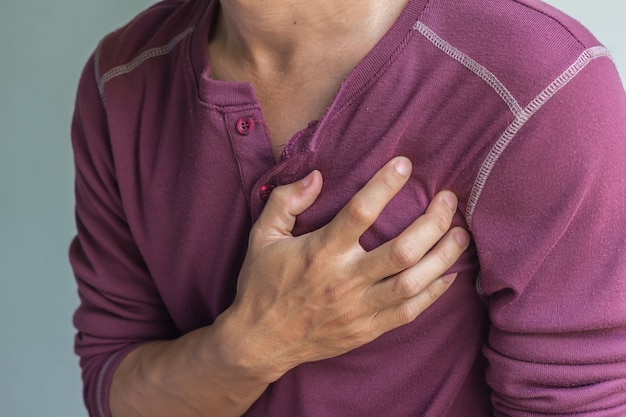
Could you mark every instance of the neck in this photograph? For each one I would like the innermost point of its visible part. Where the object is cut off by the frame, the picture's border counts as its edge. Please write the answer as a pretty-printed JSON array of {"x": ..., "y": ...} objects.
[{"x": 279, "y": 36}]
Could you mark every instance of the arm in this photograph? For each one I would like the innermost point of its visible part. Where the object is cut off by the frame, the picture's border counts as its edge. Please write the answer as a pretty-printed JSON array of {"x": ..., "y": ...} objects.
[
  {"x": 550, "y": 230},
  {"x": 299, "y": 300},
  {"x": 344, "y": 300}
]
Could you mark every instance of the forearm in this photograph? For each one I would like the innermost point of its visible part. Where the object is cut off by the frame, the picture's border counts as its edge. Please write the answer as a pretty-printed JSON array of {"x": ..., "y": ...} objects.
[{"x": 187, "y": 377}]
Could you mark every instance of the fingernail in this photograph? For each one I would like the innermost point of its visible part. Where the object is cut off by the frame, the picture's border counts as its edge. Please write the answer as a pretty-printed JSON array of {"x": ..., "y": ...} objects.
[
  {"x": 449, "y": 278},
  {"x": 308, "y": 180},
  {"x": 402, "y": 166},
  {"x": 450, "y": 199},
  {"x": 461, "y": 237}
]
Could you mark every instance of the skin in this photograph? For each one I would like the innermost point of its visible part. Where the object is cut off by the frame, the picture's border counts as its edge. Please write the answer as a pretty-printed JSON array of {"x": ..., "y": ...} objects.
[
  {"x": 311, "y": 297},
  {"x": 295, "y": 54}
]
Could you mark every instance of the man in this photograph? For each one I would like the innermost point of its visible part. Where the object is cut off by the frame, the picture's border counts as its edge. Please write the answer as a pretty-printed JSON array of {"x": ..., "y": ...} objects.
[{"x": 201, "y": 119}]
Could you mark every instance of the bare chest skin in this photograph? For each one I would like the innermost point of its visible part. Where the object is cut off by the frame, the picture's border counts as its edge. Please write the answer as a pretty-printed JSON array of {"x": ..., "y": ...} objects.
[{"x": 289, "y": 109}]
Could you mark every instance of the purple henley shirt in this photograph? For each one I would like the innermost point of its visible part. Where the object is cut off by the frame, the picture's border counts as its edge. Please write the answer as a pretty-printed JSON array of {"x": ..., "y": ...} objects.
[{"x": 509, "y": 103}]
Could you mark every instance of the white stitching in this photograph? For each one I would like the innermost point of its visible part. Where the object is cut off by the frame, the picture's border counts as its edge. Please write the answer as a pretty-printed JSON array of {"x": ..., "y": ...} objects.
[
  {"x": 150, "y": 53},
  {"x": 470, "y": 64},
  {"x": 494, "y": 154}
]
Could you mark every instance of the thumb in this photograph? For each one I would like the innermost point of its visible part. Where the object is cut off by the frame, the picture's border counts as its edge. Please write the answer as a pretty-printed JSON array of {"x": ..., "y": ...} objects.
[{"x": 285, "y": 203}]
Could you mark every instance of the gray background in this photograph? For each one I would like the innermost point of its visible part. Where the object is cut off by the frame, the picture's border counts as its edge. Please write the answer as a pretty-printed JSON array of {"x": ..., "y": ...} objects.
[{"x": 43, "y": 46}]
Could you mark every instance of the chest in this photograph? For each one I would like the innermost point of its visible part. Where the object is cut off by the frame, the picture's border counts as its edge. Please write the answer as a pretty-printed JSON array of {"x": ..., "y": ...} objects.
[{"x": 193, "y": 226}]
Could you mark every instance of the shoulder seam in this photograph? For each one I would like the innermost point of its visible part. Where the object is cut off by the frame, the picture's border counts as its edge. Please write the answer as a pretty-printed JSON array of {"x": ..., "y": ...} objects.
[
  {"x": 472, "y": 65},
  {"x": 134, "y": 63},
  {"x": 511, "y": 131}
]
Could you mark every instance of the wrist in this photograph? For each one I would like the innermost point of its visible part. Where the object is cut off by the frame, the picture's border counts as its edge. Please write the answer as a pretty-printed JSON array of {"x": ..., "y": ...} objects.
[{"x": 240, "y": 354}]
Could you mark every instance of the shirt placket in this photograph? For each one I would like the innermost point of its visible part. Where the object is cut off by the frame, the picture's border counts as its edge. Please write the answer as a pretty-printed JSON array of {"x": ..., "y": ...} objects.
[{"x": 260, "y": 173}]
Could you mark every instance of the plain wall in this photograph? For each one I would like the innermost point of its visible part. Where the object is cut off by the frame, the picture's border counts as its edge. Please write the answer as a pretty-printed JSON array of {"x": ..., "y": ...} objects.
[{"x": 43, "y": 46}]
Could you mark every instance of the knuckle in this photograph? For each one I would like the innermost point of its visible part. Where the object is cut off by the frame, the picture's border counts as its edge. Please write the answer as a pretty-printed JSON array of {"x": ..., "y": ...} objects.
[
  {"x": 403, "y": 254},
  {"x": 406, "y": 314},
  {"x": 313, "y": 258},
  {"x": 354, "y": 332},
  {"x": 408, "y": 287},
  {"x": 440, "y": 222},
  {"x": 258, "y": 236},
  {"x": 432, "y": 294},
  {"x": 360, "y": 214},
  {"x": 357, "y": 338},
  {"x": 279, "y": 195},
  {"x": 345, "y": 323},
  {"x": 388, "y": 184},
  {"x": 334, "y": 293},
  {"x": 283, "y": 197}
]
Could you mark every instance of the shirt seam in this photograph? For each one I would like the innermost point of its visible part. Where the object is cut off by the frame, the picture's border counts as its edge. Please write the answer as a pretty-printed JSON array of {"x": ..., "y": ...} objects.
[
  {"x": 135, "y": 62},
  {"x": 470, "y": 64},
  {"x": 520, "y": 120}
]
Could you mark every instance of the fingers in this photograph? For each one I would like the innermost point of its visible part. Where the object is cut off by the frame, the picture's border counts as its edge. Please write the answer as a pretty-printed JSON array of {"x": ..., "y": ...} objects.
[
  {"x": 415, "y": 241},
  {"x": 413, "y": 283},
  {"x": 285, "y": 203},
  {"x": 406, "y": 295},
  {"x": 404, "y": 313},
  {"x": 344, "y": 231}
]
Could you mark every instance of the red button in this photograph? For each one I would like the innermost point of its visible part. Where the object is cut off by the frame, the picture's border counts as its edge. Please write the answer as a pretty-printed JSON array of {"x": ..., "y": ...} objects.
[
  {"x": 245, "y": 126},
  {"x": 265, "y": 191}
]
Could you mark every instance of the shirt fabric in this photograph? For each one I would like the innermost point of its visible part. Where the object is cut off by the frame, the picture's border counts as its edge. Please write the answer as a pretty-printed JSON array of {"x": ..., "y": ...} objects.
[{"x": 509, "y": 103}]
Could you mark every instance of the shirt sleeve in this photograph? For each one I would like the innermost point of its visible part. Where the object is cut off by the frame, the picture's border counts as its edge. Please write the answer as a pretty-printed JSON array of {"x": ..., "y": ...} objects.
[
  {"x": 120, "y": 307},
  {"x": 550, "y": 229}
]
